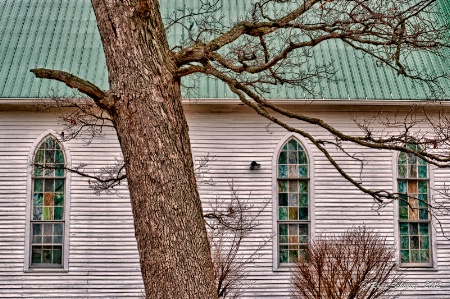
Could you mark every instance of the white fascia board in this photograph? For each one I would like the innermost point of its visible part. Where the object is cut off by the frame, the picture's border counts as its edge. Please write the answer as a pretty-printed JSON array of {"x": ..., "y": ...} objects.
[{"x": 362, "y": 102}]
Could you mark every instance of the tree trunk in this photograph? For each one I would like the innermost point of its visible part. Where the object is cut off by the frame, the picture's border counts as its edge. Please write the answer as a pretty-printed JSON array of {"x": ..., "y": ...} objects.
[{"x": 153, "y": 133}]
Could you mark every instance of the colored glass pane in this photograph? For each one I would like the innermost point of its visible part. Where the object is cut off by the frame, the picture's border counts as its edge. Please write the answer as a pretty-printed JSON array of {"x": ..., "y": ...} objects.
[
  {"x": 282, "y": 171},
  {"x": 59, "y": 185},
  {"x": 59, "y": 213},
  {"x": 423, "y": 200},
  {"x": 293, "y": 256},
  {"x": 36, "y": 255},
  {"x": 283, "y": 256},
  {"x": 415, "y": 256},
  {"x": 38, "y": 185},
  {"x": 59, "y": 171},
  {"x": 282, "y": 159},
  {"x": 413, "y": 228},
  {"x": 414, "y": 242},
  {"x": 403, "y": 202},
  {"x": 293, "y": 186},
  {"x": 293, "y": 171},
  {"x": 37, "y": 213},
  {"x": 303, "y": 239},
  {"x": 423, "y": 228},
  {"x": 293, "y": 199},
  {"x": 424, "y": 242},
  {"x": 292, "y": 145},
  {"x": 302, "y": 157},
  {"x": 49, "y": 143},
  {"x": 282, "y": 199},
  {"x": 412, "y": 159},
  {"x": 423, "y": 186},
  {"x": 293, "y": 229},
  {"x": 423, "y": 214},
  {"x": 49, "y": 185},
  {"x": 404, "y": 242},
  {"x": 403, "y": 228},
  {"x": 402, "y": 171},
  {"x": 303, "y": 214},
  {"x": 403, "y": 213},
  {"x": 303, "y": 229},
  {"x": 48, "y": 213},
  {"x": 293, "y": 157},
  {"x": 59, "y": 199},
  {"x": 425, "y": 256},
  {"x": 282, "y": 213},
  {"x": 57, "y": 254},
  {"x": 423, "y": 172},
  {"x": 303, "y": 171},
  {"x": 293, "y": 213},
  {"x": 38, "y": 199},
  {"x": 404, "y": 256},
  {"x": 283, "y": 229},
  {"x": 282, "y": 186},
  {"x": 38, "y": 170},
  {"x": 58, "y": 229},
  {"x": 39, "y": 158},
  {"x": 303, "y": 200},
  {"x": 59, "y": 156}
]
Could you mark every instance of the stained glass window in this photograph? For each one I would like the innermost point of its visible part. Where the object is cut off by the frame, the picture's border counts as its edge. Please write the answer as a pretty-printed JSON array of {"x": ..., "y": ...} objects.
[
  {"x": 293, "y": 201},
  {"x": 413, "y": 205},
  {"x": 48, "y": 204}
]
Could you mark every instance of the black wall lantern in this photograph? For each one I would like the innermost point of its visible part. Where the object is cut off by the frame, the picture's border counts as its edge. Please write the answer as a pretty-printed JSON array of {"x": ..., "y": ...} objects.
[{"x": 255, "y": 165}]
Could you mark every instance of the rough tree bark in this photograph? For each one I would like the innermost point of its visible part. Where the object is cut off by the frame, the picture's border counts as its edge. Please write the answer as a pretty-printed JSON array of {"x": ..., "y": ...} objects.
[
  {"x": 144, "y": 102},
  {"x": 146, "y": 109}
]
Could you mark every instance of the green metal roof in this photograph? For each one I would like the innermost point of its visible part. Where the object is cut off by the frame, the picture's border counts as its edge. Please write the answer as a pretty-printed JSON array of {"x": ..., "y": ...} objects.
[{"x": 62, "y": 35}]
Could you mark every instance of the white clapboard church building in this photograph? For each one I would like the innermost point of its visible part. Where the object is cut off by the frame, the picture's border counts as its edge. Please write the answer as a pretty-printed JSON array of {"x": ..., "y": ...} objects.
[{"x": 58, "y": 239}]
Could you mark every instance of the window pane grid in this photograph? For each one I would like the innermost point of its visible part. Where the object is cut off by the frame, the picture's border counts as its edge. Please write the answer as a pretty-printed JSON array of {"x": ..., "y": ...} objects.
[
  {"x": 48, "y": 204},
  {"x": 293, "y": 240},
  {"x": 414, "y": 221},
  {"x": 293, "y": 202}
]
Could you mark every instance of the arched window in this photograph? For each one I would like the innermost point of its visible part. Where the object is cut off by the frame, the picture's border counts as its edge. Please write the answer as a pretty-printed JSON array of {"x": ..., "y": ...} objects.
[
  {"x": 48, "y": 203},
  {"x": 293, "y": 219},
  {"x": 413, "y": 206}
]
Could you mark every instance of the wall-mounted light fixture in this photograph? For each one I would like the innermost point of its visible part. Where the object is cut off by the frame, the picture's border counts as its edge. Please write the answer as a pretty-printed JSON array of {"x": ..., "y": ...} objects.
[{"x": 255, "y": 165}]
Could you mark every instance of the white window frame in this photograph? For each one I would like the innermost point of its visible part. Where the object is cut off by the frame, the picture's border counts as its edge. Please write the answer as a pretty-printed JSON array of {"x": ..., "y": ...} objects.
[
  {"x": 28, "y": 233},
  {"x": 275, "y": 252}
]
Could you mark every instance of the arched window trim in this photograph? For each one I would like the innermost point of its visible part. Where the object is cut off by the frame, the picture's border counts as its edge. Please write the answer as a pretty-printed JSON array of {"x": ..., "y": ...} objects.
[
  {"x": 275, "y": 260},
  {"x": 433, "y": 255},
  {"x": 29, "y": 192}
]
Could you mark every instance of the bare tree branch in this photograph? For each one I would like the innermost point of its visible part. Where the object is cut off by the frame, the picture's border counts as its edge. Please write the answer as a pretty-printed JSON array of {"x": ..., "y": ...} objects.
[{"x": 100, "y": 97}]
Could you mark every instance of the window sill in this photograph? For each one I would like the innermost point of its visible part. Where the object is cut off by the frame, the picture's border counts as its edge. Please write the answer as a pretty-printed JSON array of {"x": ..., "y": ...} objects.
[
  {"x": 46, "y": 270},
  {"x": 284, "y": 268},
  {"x": 418, "y": 268}
]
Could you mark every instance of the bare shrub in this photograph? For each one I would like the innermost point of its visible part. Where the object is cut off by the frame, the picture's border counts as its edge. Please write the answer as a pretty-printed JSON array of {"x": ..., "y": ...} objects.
[
  {"x": 358, "y": 264},
  {"x": 229, "y": 222}
]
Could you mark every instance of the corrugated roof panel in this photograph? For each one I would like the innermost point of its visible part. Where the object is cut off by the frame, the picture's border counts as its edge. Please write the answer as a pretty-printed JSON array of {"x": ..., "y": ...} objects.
[
  {"x": 62, "y": 34},
  {"x": 58, "y": 34}
]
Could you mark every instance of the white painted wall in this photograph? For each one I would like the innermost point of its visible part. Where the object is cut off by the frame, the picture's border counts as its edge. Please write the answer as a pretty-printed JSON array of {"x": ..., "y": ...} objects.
[{"x": 103, "y": 257}]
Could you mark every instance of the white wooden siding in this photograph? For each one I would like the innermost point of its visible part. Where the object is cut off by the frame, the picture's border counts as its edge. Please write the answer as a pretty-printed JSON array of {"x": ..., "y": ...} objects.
[{"x": 103, "y": 258}]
